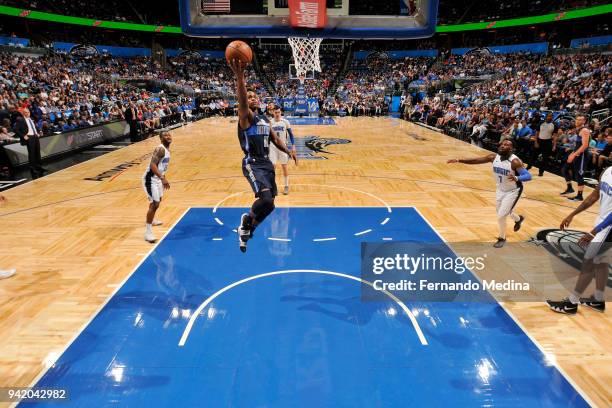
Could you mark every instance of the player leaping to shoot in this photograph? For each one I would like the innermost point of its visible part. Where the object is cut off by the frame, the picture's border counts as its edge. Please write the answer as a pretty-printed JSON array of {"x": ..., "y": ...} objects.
[
  {"x": 509, "y": 175},
  {"x": 254, "y": 134}
]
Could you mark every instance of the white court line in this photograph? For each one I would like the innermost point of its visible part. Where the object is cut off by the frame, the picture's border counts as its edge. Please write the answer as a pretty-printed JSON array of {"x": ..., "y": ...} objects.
[
  {"x": 387, "y": 239},
  {"x": 227, "y": 198},
  {"x": 324, "y": 239},
  {"x": 387, "y": 206},
  {"x": 279, "y": 239},
  {"x": 544, "y": 310},
  {"x": 119, "y": 286},
  {"x": 218, "y": 293},
  {"x": 217, "y": 239}
]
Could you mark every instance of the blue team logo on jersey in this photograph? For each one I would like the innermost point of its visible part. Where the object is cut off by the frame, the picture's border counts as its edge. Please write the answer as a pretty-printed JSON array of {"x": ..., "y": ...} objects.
[
  {"x": 311, "y": 147},
  {"x": 605, "y": 188},
  {"x": 500, "y": 170}
]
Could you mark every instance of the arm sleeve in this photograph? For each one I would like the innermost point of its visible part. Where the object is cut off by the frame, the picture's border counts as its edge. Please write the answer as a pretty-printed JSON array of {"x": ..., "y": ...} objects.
[
  {"x": 604, "y": 224},
  {"x": 291, "y": 136},
  {"x": 290, "y": 132},
  {"x": 523, "y": 175}
]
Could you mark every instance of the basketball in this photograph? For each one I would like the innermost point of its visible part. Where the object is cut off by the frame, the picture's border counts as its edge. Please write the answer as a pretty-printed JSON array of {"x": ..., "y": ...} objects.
[{"x": 239, "y": 50}]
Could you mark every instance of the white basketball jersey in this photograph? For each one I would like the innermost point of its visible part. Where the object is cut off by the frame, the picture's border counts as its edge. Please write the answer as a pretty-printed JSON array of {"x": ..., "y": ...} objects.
[
  {"x": 605, "y": 195},
  {"x": 163, "y": 164},
  {"x": 280, "y": 127},
  {"x": 501, "y": 170}
]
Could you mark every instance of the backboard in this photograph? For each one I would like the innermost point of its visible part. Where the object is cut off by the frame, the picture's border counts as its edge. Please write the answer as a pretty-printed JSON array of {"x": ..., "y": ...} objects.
[{"x": 345, "y": 19}]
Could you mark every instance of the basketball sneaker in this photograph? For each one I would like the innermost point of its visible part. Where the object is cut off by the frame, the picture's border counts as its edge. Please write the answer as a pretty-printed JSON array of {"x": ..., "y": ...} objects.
[
  {"x": 578, "y": 197},
  {"x": 286, "y": 190},
  {"x": 563, "y": 306},
  {"x": 517, "y": 224},
  {"x": 149, "y": 237},
  {"x": 597, "y": 305},
  {"x": 244, "y": 233},
  {"x": 500, "y": 243},
  {"x": 157, "y": 223}
]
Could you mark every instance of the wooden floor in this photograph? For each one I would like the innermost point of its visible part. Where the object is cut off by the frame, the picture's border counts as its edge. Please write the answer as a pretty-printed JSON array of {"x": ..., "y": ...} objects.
[{"x": 74, "y": 241}]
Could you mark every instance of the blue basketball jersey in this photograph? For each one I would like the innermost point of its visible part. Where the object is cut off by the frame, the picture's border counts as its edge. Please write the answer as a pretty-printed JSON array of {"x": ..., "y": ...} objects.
[
  {"x": 578, "y": 142},
  {"x": 255, "y": 140}
]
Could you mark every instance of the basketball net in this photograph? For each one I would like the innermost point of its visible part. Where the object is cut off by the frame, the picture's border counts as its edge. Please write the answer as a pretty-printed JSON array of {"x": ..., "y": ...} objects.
[{"x": 305, "y": 55}]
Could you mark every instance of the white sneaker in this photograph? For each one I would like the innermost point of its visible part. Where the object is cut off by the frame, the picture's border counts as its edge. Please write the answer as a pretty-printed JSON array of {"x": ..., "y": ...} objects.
[
  {"x": 7, "y": 273},
  {"x": 149, "y": 237},
  {"x": 286, "y": 190},
  {"x": 243, "y": 234},
  {"x": 157, "y": 223}
]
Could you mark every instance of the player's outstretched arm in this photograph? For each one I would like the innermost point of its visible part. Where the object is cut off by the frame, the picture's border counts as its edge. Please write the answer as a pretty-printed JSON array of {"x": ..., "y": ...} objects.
[
  {"x": 585, "y": 205},
  {"x": 479, "y": 160},
  {"x": 281, "y": 146},
  {"x": 245, "y": 116}
]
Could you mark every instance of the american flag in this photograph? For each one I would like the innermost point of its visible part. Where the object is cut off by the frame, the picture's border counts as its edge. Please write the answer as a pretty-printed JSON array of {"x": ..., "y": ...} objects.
[{"x": 216, "y": 6}]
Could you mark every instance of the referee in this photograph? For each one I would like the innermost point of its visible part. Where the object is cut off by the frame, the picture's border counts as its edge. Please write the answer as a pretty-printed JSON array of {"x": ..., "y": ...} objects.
[{"x": 545, "y": 143}]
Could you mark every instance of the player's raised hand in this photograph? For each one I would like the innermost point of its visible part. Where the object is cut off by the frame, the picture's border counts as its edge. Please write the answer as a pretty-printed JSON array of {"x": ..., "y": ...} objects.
[{"x": 237, "y": 66}]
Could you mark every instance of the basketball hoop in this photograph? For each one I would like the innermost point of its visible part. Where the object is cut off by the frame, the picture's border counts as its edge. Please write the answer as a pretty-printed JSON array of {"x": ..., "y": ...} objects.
[{"x": 305, "y": 55}]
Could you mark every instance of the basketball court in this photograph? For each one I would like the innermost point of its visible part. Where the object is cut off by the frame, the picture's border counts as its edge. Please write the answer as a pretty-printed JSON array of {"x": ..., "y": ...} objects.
[
  {"x": 191, "y": 321},
  {"x": 115, "y": 320}
]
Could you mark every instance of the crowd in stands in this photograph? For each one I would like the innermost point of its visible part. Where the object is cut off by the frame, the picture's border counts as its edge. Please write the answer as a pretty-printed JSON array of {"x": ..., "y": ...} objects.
[
  {"x": 514, "y": 103},
  {"x": 65, "y": 93},
  {"x": 364, "y": 89},
  {"x": 275, "y": 68}
]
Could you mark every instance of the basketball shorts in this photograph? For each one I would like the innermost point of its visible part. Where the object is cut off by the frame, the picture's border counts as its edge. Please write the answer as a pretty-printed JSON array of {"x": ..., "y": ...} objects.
[
  {"x": 260, "y": 175},
  {"x": 276, "y": 156},
  {"x": 600, "y": 248},
  {"x": 506, "y": 201},
  {"x": 153, "y": 187}
]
